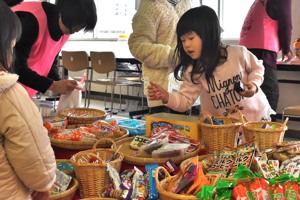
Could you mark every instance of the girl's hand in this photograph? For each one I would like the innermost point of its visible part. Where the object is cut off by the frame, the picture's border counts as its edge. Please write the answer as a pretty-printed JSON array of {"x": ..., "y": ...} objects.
[
  {"x": 250, "y": 89},
  {"x": 156, "y": 92}
]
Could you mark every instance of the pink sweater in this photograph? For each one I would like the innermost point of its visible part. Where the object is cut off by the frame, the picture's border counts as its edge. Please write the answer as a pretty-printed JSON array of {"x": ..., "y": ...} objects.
[{"x": 219, "y": 97}]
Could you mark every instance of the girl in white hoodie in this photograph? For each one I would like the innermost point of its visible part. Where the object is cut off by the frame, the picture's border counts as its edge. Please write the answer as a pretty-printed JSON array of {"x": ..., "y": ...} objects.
[{"x": 27, "y": 162}]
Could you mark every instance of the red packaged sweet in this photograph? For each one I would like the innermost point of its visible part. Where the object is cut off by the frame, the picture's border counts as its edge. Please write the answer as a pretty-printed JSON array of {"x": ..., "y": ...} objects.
[
  {"x": 291, "y": 190},
  {"x": 240, "y": 191},
  {"x": 276, "y": 192},
  {"x": 259, "y": 189}
]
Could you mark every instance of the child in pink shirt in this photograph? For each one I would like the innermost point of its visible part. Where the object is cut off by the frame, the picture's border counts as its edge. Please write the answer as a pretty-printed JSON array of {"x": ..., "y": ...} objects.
[{"x": 210, "y": 69}]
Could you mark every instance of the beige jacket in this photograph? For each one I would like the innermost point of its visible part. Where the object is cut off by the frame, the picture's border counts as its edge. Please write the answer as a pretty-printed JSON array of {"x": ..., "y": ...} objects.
[
  {"x": 154, "y": 39},
  {"x": 26, "y": 157}
]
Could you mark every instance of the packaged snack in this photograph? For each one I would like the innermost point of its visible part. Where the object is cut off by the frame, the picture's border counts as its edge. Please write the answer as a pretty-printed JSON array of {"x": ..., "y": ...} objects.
[
  {"x": 171, "y": 167},
  {"x": 223, "y": 163},
  {"x": 244, "y": 155},
  {"x": 61, "y": 183},
  {"x": 153, "y": 145},
  {"x": 170, "y": 150},
  {"x": 186, "y": 176},
  {"x": 291, "y": 189},
  {"x": 259, "y": 189},
  {"x": 114, "y": 175},
  {"x": 152, "y": 191},
  {"x": 138, "y": 142},
  {"x": 200, "y": 180},
  {"x": 240, "y": 191},
  {"x": 126, "y": 184},
  {"x": 139, "y": 181}
]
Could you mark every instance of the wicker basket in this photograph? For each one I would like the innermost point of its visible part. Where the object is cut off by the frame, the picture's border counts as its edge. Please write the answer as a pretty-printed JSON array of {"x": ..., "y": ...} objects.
[
  {"x": 93, "y": 177},
  {"x": 144, "y": 159},
  {"x": 82, "y": 145},
  {"x": 265, "y": 138},
  {"x": 68, "y": 194},
  {"x": 82, "y": 115},
  {"x": 162, "y": 185},
  {"x": 216, "y": 137}
]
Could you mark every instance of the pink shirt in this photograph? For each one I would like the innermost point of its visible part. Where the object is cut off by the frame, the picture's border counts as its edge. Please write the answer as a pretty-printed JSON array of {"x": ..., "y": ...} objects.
[
  {"x": 260, "y": 31},
  {"x": 219, "y": 96},
  {"x": 45, "y": 49}
]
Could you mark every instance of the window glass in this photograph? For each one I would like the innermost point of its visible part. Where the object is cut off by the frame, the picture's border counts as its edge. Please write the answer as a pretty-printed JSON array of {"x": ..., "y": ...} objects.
[{"x": 231, "y": 15}]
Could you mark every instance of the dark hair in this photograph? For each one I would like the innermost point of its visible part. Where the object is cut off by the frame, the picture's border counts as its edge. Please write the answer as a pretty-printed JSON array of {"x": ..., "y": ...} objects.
[
  {"x": 11, "y": 3},
  {"x": 82, "y": 13},
  {"x": 203, "y": 21},
  {"x": 10, "y": 29}
]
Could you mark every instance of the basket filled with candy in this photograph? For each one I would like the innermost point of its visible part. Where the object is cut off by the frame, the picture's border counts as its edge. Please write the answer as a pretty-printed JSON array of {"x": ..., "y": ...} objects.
[
  {"x": 163, "y": 143},
  {"x": 219, "y": 132},
  {"x": 91, "y": 167},
  {"x": 82, "y": 115},
  {"x": 267, "y": 134},
  {"x": 82, "y": 136}
]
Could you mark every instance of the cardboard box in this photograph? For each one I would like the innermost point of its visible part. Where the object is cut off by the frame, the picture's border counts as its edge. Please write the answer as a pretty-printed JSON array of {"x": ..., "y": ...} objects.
[{"x": 188, "y": 125}]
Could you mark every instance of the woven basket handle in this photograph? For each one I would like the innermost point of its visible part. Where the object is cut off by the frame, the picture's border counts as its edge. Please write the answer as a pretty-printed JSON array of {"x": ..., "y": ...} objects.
[
  {"x": 81, "y": 154},
  {"x": 284, "y": 123},
  {"x": 114, "y": 145},
  {"x": 166, "y": 173},
  {"x": 242, "y": 117}
]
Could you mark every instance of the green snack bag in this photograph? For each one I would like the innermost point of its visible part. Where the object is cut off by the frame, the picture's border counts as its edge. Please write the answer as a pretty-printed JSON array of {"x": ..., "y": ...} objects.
[
  {"x": 206, "y": 192},
  {"x": 224, "y": 189}
]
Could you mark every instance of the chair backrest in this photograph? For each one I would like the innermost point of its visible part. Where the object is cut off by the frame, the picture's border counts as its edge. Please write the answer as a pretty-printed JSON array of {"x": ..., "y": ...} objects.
[
  {"x": 103, "y": 62},
  {"x": 75, "y": 60}
]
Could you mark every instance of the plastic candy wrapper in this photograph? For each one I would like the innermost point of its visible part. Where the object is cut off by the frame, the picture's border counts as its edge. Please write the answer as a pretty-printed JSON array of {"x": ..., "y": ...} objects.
[
  {"x": 71, "y": 99},
  {"x": 206, "y": 193},
  {"x": 214, "y": 121},
  {"x": 64, "y": 166},
  {"x": 56, "y": 125},
  {"x": 186, "y": 176},
  {"x": 200, "y": 180},
  {"x": 114, "y": 175},
  {"x": 134, "y": 126},
  {"x": 126, "y": 184},
  {"x": 170, "y": 150},
  {"x": 223, "y": 163},
  {"x": 224, "y": 189},
  {"x": 244, "y": 155},
  {"x": 152, "y": 191},
  {"x": 171, "y": 167},
  {"x": 291, "y": 167},
  {"x": 138, "y": 142},
  {"x": 61, "y": 183},
  {"x": 139, "y": 181},
  {"x": 153, "y": 145},
  {"x": 268, "y": 168}
]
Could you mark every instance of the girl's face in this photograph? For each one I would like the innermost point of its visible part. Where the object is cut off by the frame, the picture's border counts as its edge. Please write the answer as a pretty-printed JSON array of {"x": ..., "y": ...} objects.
[
  {"x": 10, "y": 55},
  {"x": 192, "y": 44}
]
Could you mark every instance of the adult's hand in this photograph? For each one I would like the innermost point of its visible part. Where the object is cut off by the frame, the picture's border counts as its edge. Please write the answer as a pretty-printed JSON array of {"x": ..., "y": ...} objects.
[
  {"x": 287, "y": 57},
  {"x": 64, "y": 86}
]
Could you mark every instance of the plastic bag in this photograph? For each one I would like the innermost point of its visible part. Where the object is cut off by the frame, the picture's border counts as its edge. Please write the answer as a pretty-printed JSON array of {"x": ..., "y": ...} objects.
[{"x": 72, "y": 99}]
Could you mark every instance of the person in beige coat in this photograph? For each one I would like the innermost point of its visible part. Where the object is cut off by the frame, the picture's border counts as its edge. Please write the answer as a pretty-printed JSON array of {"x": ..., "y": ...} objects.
[
  {"x": 27, "y": 161},
  {"x": 153, "y": 39}
]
